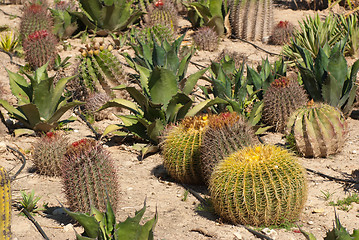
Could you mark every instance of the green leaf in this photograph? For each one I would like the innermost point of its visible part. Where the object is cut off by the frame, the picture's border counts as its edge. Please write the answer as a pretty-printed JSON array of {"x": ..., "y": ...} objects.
[
  {"x": 89, "y": 223},
  {"x": 192, "y": 80},
  {"x": 154, "y": 130},
  {"x": 32, "y": 114},
  {"x": 204, "y": 105},
  {"x": 64, "y": 108},
  {"x": 178, "y": 107},
  {"x": 217, "y": 24},
  {"x": 23, "y": 131},
  {"x": 122, "y": 103},
  {"x": 162, "y": 85},
  {"x": 20, "y": 88},
  {"x": 13, "y": 111}
]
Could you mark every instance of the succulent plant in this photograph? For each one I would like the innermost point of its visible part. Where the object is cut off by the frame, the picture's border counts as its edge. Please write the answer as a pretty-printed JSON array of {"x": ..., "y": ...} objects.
[
  {"x": 89, "y": 176},
  {"x": 226, "y": 133},
  {"x": 260, "y": 186},
  {"x": 35, "y": 18},
  {"x": 5, "y": 205},
  {"x": 181, "y": 149},
  {"x": 251, "y": 19},
  {"x": 93, "y": 102},
  {"x": 318, "y": 129},
  {"x": 164, "y": 13},
  {"x": 65, "y": 24},
  {"x": 282, "y": 33},
  {"x": 281, "y": 99},
  {"x": 159, "y": 33},
  {"x": 49, "y": 152},
  {"x": 206, "y": 39},
  {"x": 103, "y": 226},
  {"x": 40, "y": 48}
]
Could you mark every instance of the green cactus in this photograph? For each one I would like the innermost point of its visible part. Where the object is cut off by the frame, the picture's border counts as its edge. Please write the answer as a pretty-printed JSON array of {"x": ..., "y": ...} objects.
[
  {"x": 281, "y": 99},
  {"x": 282, "y": 33},
  {"x": 5, "y": 205},
  {"x": 159, "y": 33},
  {"x": 260, "y": 186},
  {"x": 35, "y": 18},
  {"x": 251, "y": 19},
  {"x": 181, "y": 149},
  {"x": 164, "y": 14},
  {"x": 89, "y": 176},
  {"x": 40, "y": 48},
  {"x": 318, "y": 129},
  {"x": 103, "y": 226},
  {"x": 49, "y": 151},
  {"x": 64, "y": 23},
  {"x": 226, "y": 133},
  {"x": 206, "y": 39},
  {"x": 100, "y": 70}
]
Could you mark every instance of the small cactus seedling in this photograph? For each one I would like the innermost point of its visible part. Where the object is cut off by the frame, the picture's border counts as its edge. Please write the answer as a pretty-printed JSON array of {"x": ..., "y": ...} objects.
[
  {"x": 260, "y": 186},
  {"x": 89, "y": 176},
  {"x": 40, "y": 48},
  {"x": 49, "y": 152},
  {"x": 226, "y": 133},
  {"x": 181, "y": 149},
  {"x": 281, "y": 99},
  {"x": 5, "y": 205},
  {"x": 206, "y": 39},
  {"x": 318, "y": 129},
  {"x": 282, "y": 33}
]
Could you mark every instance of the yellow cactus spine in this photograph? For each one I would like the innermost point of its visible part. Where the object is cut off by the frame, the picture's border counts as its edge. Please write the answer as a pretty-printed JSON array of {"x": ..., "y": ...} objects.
[{"x": 5, "y": 205}]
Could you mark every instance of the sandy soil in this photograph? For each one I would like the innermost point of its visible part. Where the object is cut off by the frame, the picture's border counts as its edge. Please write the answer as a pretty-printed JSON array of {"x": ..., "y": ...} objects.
[{"x": 147, "y": 179}]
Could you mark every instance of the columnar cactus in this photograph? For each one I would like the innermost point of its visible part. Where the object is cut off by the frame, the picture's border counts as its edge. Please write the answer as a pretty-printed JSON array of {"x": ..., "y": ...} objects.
[
  {"x": 282, "y": 33},
  {"x": 181, "y": 149},
  {"x": 40, "y": 48},
  {"x": 5, "y": 205},
  {"x": 318, "y": 129},
  {"x": 206, "y": 38},
  {"x": 251, "y": 19},
  {"x": 281, "y": 99},
  {"x": 260, "y": 186},
  {"x": 226, "y": 133},
  {"x": 49, "y": 152},
  {"x": 89, "y": 176}
]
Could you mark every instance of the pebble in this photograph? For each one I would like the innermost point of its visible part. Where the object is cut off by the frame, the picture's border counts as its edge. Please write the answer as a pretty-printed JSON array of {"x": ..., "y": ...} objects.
[
  {"x": 58, "y": 211},
  {"x": 2, "y": 147},
  {"x": 269, "y": 232},
  {"x": 76, "y": 130},
  {"x": 318, "y": 210},
  {"x": 238, "y": 236},
  {"x": 310, "y": 222},
  {"x": 68, "y": 227},
  {"x": 354, "y": 151}
]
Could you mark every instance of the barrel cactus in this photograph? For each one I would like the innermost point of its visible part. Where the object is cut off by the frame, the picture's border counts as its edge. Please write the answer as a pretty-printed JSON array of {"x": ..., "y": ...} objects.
[
  {"x": 5, "y": 205},
  {"x": 226, "y": 133},
  {"x": 318, "y": 130},
  {"x": 251, "y": 19},
  {"x": 282, "y": 33},
  {"x": 181, "y": 149},
  {"x": 206, "y": 38},
  {"x": 164, "y": 13},
  {"x": 89, "y": 176},
  {"x": 259, "y": 186},
  {"x": 49, "y": 152},
  {"x": 281, "y": 99}
]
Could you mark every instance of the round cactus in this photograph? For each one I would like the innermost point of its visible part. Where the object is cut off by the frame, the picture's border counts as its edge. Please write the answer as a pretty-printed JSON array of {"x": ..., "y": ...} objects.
[
  {"x": 226, "y": 133},
  {"x": 164, "y": 13},
  {"x": 318, "y": 130},
  {"x": 93, "y": 102},
  {"x": 181, "y": 149},
  {"x": 282, "y": 98},
  {"x": 206, "y": 39},
  {"x": 5, "y": 205},
  {"x": 260, "y": 186},
  {"x": 282, "y": 33},
  {"x": 40, "y": 48},
  {"x": 49, "y": 152},
  {"x": 89, "y": 176}
]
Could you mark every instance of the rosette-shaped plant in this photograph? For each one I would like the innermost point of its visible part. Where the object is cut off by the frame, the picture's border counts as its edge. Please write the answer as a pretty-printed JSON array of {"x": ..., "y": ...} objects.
[
  {"x": 260, "y": 186},
  {"x": 318, "y": 129},
  {"x": 181, "y": 149}
]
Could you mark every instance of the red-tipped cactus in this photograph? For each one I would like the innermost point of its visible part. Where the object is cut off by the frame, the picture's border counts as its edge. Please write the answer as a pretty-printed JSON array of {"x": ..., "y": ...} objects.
[
  {"x": 40, "y": 48},
  {"x": 89, "y": 176},
  {"x": 282, "y": 33}
]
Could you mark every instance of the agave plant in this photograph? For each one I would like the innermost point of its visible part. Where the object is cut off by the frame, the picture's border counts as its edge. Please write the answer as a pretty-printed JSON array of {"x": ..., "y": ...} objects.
[
  {"x": 103, "y": 226},
  {"x": 9, "y": 41},
  {"x": 40, "y": 104},
  {"x": 107, "y": 16}
]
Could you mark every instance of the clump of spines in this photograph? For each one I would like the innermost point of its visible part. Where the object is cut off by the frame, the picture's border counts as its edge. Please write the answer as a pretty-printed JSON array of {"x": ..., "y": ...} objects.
[
  {"x": 318, "y": 129},
  {"x": 251, "y": 19},
  {"x": 206, "y": 38},
  {"x": 49, "y": 152},
  {"x": 89, "y": 176},
  {"x": 181, "y": 149},
  {"x": 35, "y": 18},
  {"x": 226, "y": 133},
  {"x": 164, "y": 13},
  {"x": 282, "y": 33},
  {"x": 5, "y": 205},
  {"x": 40, "y": 48},
  {"x": 93, "y": 102},
  {"x": 281, "y": 99},
  {"x": 259, "y": 186}
]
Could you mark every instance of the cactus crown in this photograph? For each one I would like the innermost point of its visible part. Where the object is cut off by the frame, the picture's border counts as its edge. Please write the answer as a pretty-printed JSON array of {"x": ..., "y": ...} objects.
[
  {"x": 195, "y": 123},
  {"x": 281, "y": 82},
  {"x": 223, "y": 119},
  {"x": 38, "y": 35}
]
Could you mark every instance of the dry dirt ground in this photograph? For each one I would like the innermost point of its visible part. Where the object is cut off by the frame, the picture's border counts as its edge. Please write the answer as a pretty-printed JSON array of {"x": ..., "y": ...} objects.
[{"x": 146, "y": 179}]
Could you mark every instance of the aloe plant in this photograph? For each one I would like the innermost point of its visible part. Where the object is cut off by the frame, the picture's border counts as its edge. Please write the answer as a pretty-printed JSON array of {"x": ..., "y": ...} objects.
[
  {"x": 327, "y": 77},
  {"x": 40, "y": 104},
  {"x": 103, "y": 226},
  {"x": 107, "y": 16}
]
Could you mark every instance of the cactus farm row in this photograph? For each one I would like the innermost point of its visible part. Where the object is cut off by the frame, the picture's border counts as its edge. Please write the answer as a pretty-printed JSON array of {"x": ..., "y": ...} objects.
[{"x": 179, "y": 119}]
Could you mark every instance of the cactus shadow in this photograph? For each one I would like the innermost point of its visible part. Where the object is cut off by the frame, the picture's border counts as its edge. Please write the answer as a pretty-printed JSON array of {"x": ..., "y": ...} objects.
[
  {"x": 57, "y": 214},
  {"x": 355, "y": 114}
]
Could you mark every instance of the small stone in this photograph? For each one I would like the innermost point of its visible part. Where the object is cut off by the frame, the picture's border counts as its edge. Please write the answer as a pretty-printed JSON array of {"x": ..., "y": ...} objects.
[
  {"x": 68, "y": 227},
  {"x": 354, "y": 151},
  {"x": 310, "y": 222},
  {"x": 238, "y": 236},
  {"x": 76, "y": 130},
  {"x": 130, "y": 188},
  {"x": 268, "y": 231},
  {"x": 318, "y": 210},
  {"x": 2, "y": 147},
  {"x": 58, "y": 211}
]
